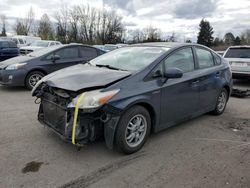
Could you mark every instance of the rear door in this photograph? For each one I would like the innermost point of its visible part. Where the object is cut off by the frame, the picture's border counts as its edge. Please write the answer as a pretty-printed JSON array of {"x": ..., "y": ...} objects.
[
  {"x": 68, "y": 56},
  {"x": 180, "y": 97},
  {"x": 209, "y": 79}
]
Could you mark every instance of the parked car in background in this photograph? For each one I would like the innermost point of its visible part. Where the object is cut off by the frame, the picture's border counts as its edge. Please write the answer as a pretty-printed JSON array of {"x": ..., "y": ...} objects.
[
  {"x": 37, "y": 45},
  {"x": 101, "y": 47},
  {"x": 110, "y": 47},
  {"x": 137, "y": 90},
  {"x": 220, "y": 52},
  {"x": 239, "y": 59},
  {"x": 29, "y": 69},
  {"x": 23, "y": 40},
  {"x": 8, "y": 49}
]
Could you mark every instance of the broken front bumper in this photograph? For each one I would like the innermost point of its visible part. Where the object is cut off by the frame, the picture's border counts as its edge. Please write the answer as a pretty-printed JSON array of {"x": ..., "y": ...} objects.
[{"x": 90, "y": 126}]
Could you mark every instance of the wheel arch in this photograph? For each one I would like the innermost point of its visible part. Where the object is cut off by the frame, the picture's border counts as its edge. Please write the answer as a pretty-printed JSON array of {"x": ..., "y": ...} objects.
[{"x": 33, "y": 70}]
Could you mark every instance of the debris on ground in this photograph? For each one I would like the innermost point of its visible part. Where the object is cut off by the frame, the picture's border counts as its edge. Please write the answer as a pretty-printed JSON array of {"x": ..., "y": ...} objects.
[{"x": 240, "y": 93}]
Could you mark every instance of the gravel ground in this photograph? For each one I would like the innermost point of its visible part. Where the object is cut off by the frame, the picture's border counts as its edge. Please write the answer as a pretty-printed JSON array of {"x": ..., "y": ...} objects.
[{"x": 209, "y": 151}]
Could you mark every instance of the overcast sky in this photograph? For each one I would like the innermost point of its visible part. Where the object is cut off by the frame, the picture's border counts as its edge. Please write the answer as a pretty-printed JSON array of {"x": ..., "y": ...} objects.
[{"x": 179, "y": 16}]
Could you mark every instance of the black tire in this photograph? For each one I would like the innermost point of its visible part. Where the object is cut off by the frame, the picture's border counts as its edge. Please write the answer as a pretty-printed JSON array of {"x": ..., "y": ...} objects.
[
  {"x": 120, "y": 136},
  {"x": 28, "y": 82},
  {"x": 219, "y": 110}
]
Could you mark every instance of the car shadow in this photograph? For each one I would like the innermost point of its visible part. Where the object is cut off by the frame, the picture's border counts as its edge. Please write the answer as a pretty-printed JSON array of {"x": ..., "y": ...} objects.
[
  {"x": 13, "y": 89},
  {"x": 241, "y": 83}
]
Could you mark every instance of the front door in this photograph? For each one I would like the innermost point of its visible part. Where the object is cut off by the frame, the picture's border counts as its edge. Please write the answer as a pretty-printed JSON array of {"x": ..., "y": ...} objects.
[{"x": 180, "y": 96}]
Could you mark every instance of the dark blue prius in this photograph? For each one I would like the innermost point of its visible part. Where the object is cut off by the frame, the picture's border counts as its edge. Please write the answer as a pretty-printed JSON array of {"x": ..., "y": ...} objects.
[{"x": 128, "y": 93}]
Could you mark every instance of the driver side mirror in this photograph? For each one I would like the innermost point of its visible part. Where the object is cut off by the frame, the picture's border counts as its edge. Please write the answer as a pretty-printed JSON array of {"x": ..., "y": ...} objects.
[
  {"x": 55, "y": 58},
  {"x": 173, "y": 73}
]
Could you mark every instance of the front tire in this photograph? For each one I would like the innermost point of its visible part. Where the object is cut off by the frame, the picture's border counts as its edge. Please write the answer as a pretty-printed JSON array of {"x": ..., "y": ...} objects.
[
  {"x": 221, "y": 102},
  {"x": 133, "y": 130},
  {"x": 33, "y": 78}
]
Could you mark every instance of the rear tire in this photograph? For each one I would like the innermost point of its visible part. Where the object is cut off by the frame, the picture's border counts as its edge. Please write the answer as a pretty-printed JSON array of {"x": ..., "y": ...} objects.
[
  {"x": 221, "y": 102},
  {"x": 133, "y": 130},
  {"x": 33, "y": 78}
]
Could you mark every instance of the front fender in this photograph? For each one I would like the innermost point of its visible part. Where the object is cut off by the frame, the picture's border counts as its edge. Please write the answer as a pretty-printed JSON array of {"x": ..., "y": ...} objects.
[{"x": 111, "y": 125}]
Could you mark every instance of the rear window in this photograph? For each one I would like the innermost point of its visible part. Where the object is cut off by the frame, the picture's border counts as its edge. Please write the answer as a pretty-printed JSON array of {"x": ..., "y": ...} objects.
[{"x": 238, "y": 53}]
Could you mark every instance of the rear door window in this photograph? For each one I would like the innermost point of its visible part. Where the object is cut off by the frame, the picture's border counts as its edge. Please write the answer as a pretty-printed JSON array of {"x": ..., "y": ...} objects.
[
  {"x": 68, "y": 53},
  {"x": 182, "y": 59},
  {"x": 88, "y": 53},
  {"x": 205, "y": 58}
]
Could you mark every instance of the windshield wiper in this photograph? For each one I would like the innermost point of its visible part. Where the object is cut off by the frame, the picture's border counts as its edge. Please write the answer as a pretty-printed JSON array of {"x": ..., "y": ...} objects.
[{"x": 110, "y": 67}]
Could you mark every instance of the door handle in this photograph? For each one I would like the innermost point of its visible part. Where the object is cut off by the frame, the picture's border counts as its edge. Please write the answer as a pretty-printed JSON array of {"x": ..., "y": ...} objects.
[
  {"x": 218, "y": 73},
  {"x": 195, "y": 81}
]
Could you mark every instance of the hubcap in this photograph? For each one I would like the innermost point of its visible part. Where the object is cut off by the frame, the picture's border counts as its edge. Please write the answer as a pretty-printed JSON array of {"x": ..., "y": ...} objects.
[
  {"x": 222, "y": 100},
  {"x": 136, "y": 130},
  {"x": 34, "y": 79}
]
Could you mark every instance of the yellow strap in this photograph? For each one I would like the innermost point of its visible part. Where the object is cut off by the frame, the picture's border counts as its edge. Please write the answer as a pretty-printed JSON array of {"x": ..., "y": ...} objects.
[{"x": 79, "y": 100}]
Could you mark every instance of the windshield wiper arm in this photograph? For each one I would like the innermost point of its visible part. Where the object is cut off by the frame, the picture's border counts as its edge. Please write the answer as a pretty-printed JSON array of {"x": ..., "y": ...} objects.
[{"x": 110, "y": 67}]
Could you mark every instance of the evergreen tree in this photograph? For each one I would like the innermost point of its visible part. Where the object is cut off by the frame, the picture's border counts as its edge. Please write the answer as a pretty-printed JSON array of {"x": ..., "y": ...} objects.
[
  {"x": 237, "y": 41},
  {"x": 205, "y": 36},
  {"x": 229, "y": 39}
]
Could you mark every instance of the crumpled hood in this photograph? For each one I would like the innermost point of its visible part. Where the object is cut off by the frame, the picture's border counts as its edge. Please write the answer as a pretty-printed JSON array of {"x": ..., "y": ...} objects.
[
  {"x": 14, "y": 60},
  {"x": 81, "y": 76}
]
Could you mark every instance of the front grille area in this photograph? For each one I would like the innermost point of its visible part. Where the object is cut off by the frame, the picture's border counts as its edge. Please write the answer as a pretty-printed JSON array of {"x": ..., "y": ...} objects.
[
  {"x": 54, "y": 115},
  {"x": 22, "y": 51}
]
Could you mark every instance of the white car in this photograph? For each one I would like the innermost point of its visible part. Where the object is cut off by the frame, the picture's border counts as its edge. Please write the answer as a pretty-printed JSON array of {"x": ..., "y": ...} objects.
[
  {"x": 239, "y": 60},
  {"x": 22, "y": 40},
  {"x": 38, "y": 45}
]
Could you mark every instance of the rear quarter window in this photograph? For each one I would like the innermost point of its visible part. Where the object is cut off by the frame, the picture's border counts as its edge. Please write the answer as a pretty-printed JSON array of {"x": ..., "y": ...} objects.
[{"x": 217, "y": 59}]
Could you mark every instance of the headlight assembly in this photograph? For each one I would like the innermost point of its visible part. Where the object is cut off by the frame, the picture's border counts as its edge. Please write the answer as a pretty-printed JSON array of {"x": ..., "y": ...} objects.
[
  {"x": 15, "y": 66},
  {"x": 93, "y": 99}
]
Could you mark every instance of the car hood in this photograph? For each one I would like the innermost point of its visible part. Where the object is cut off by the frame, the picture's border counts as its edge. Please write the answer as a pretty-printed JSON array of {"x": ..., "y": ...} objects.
[
  {"x": 14, "y": 60},
  {"x": 31, "y": 47},
  {"x": 243, "y": 60},
  {"x": 81, "y": 77}
]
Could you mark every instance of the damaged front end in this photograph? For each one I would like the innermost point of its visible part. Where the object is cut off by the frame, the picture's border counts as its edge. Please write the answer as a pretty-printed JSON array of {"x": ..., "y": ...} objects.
[{"x": 78, "y": 121}]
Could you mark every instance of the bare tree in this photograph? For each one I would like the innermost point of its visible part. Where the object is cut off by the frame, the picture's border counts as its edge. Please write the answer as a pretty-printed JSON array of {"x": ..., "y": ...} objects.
[
  {"x": 109, "y": 27},
  {"x": 3, "y": 23},
  {"x": 245, "y": 37},
  {"x": 24, "y": 26},
  {"x": 152, "y": 34},
  {"x": 62, "y": 18},
  {"x": 45, "y": 29}
]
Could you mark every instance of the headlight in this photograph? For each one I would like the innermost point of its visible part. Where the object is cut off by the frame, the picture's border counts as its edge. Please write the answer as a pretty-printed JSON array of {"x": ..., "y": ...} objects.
[
  {"x": 15, "y": 66},
  {"x": 94, "y": 99}
]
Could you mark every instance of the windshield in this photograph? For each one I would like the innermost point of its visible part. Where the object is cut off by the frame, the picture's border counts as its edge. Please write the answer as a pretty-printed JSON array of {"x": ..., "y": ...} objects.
[
  {"x": 130, "y": 58},
  {"x": 40, "y": 43},
  {"x": 43, "y": 51},
  {"x": 238, "y": 53}
]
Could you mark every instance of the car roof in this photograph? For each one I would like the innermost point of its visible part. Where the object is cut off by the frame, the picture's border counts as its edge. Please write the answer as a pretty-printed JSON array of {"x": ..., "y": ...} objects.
[
  {"x": 166, "y": 44},
  {"x": 243, "y": 46},
  {"x": 5, "y": 39}
]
